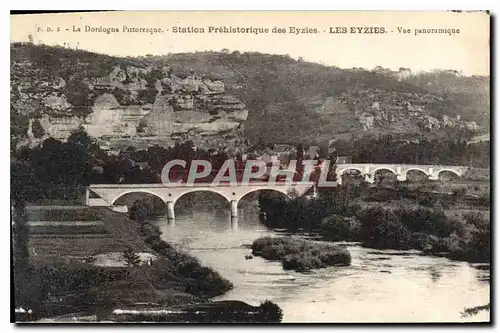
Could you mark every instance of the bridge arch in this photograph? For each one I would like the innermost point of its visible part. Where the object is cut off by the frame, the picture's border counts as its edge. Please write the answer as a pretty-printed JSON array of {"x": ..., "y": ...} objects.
[
  {"x": 282, "y": 193},
  {"x": 415, "y": 174},
  {"x": 448, "y": 170},
  {"x": 198, "y": 190},
  {"x": 441, "y": 175},
  {"x": 384, "y": 175},
  {"x": 383, "y": 169},
  {"x": 341, "y": 171},
  {"x": 138, "y": 191},
  {"x": 417, "y": 169}
]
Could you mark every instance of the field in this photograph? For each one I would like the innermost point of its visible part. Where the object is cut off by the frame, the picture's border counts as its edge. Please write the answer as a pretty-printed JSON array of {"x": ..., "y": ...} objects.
[{"x": 71, "y": 236}]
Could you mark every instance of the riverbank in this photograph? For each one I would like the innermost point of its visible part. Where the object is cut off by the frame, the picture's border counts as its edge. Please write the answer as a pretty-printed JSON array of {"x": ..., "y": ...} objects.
[
  {"x": 389, "y": 219},
  {"x": 382, "y": 285},
  {"x": 116, "y": 263}
]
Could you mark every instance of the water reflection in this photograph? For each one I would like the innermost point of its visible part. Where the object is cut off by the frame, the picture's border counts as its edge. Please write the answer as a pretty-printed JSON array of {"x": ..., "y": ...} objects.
[
  {"x": 387, "y": 286},
  {"x": 435, "y": 273}
]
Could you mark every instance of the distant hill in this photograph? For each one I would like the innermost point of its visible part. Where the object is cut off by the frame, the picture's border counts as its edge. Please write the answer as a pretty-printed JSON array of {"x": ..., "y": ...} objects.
[
  {"x": 317, "y": 101},
  {"x": 288, "y": 101}
]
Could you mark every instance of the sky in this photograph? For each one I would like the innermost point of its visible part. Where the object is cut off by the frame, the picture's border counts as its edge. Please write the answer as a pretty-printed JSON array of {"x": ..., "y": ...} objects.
[{"x": 466, "y": 51}]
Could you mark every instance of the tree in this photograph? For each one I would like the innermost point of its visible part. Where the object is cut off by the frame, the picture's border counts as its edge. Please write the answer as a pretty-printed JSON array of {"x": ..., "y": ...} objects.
[
  {"x": 132, "y": 259},
  {"x": 78, "y": 93},
  {"x": 147, "y": 95},
  {"x": 140, "y": 210},
  {"x": 80, "y": 138},
  {"x": 37, "y": 129},
  {"x": 141, "y": 127}
]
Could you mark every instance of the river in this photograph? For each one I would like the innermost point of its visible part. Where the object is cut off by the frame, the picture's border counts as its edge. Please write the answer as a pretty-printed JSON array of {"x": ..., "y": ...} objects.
[{"x": 379, "y": 286}]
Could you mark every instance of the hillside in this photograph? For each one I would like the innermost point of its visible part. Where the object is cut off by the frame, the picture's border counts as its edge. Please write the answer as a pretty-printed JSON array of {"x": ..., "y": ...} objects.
[
  {"x": 216, "y": 97},
  {"x": 319, "y": 101},
  {"x": 54, "y": 91}
]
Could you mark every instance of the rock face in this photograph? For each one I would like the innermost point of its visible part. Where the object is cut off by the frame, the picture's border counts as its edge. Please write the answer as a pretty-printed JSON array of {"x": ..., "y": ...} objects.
[
  {"x": 399, "y": 112},
  {"x": 128, "y": 102},
  {"x": 62, "y": 89},
  {"x": 159, "y": 122},
  {"x": 111, "y": 119}
]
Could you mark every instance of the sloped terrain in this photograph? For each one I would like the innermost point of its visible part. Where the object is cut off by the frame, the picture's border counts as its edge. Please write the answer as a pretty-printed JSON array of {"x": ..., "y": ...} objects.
[{"x": 210, "y": 96}]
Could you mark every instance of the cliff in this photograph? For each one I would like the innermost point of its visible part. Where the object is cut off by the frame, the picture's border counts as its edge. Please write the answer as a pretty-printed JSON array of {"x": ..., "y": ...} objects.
[
  {"x": 55, "y": 91},
  {"x": 208, "y": 96}
]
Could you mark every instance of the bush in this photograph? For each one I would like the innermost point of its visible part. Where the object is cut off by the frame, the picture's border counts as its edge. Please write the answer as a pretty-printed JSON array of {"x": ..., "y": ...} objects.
[
  {"x": 300, "y": 255},
  {"x": 140, "y": 210},
  {"x": 381, "y": 228},
  {"x": 271, "y": 311},
  {"x": 337, "y": 227},
  {"x": 433, "y": 244},
  {"x": 198, "y": 280},
  {"x": 122, "y": 96},
  {"x": 145, "y": 209},
  {"x": 458, "y": 194},
  {"x": 37, "y": 129},
  {"x": 427, "y": 221},
  {"x": 131, "y": 258},
  {"x": 484, "y": 200},
  {"x": 476, "y": 219},
  {"x": 426, "y": 199},
  {"x": 147, "y": 95},
  {"x": 337, "y": 217},
  {"x": 141, "y": 127}
]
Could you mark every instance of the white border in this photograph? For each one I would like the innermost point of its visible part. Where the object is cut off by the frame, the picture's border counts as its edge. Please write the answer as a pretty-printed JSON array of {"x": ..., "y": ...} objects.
[{"x": 205, "y": 5}]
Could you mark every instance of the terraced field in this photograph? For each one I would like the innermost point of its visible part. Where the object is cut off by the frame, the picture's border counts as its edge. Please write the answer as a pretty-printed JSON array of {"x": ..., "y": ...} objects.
[{"x": 71, "y": 235}]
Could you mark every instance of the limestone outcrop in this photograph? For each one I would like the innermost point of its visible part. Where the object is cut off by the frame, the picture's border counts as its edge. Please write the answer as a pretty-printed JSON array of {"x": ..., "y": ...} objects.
[{"x": 128, "y": 102}]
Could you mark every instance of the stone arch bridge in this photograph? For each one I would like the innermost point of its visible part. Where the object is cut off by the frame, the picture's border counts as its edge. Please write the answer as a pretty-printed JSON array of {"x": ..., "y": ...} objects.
[
  {"x": 368, "y": 170},
  {"x": 109, "y": 193}
]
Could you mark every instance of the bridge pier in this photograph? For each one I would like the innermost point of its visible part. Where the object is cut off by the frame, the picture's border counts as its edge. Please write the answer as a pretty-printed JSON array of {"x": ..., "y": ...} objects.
[
  {"x": 401, "y": 177},
  {"x": 170, "y": 210},
  {"x": 234, "y": 209},
  {"x": 369, "y": 178},
  {"x": 433, "y": 176},
  {"x": 87, "y": 196},
  {"x": 234, "y": 223}
]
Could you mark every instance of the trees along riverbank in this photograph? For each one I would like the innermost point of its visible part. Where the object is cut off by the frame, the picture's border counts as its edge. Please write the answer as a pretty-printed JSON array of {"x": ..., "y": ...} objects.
[
  {"x": 345, "y": 214},
  {"x": 201, "y": 281},
  {"x": 173, "y": 280}
]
